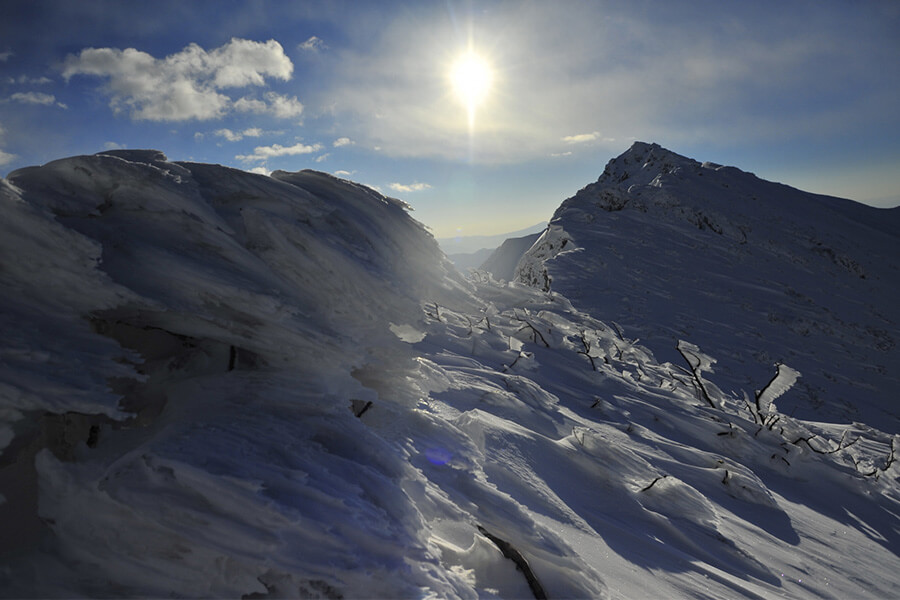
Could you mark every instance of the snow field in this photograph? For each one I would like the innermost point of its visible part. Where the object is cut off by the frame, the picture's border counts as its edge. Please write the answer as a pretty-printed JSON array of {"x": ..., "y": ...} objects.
[{"x": 279, "y": 387}]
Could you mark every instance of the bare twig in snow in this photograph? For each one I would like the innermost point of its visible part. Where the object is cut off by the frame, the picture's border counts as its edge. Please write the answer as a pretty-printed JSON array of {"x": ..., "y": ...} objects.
[
  {"x": 652, "y": 483},
  {"x": 698, "y": 381}
]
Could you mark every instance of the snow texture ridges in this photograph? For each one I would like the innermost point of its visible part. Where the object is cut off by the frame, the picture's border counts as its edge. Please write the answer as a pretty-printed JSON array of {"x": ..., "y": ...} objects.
[
  {"x": 672, "y": 249},
  {"x": 216, "y": 383}
]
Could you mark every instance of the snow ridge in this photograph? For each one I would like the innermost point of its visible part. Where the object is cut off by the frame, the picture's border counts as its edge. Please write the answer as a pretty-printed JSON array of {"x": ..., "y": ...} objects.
[{"x": 675, "y": 249}]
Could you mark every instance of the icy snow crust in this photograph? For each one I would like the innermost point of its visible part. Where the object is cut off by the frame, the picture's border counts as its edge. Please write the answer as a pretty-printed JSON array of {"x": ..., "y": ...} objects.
[
  {"x": 751, "y": 271},
  {"x": 218, "y": 384}
]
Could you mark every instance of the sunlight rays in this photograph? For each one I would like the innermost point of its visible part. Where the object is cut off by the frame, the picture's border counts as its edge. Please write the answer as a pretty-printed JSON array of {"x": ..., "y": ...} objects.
[{"x": 471, "y": 78}]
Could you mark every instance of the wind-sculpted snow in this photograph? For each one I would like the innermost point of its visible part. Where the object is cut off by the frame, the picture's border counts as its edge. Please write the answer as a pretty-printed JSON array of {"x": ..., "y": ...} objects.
[
  {"x": 751, "y": 271},
  {"x": 218, "y": 384}
]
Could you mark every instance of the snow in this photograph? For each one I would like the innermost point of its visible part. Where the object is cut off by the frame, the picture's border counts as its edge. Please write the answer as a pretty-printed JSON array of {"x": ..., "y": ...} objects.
[
  {"x": 753, "y": 272},
  {"x": 217, "y": 383},
  {"x": 471, "y": 252},
  {"x": 502, "y": 262}
]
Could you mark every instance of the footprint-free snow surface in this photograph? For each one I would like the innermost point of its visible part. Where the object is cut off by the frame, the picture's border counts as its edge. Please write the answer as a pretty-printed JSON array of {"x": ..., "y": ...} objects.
[{"x": 220, "y": 384}]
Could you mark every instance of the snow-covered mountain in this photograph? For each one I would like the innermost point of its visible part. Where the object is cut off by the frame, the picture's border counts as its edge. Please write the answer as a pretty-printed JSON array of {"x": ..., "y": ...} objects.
[
  {"x": 470, "y": 252},
  {"x": 215, "y": 383},
  {"x": 502, "y": 262},
  {"x": 753, "y": 272},
  {"x": 467, "y": 244}
]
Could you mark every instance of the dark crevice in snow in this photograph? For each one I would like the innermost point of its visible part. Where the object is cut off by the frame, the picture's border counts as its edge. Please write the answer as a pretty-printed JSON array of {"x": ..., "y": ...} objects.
[{"x": 510, "y": 552}]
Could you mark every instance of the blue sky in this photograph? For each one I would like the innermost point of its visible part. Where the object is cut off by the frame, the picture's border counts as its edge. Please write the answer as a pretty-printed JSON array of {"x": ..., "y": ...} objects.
[{"x": 805, "y": 93}]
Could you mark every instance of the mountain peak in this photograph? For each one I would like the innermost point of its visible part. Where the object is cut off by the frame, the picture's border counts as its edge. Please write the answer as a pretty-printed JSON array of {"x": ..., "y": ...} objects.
[{"x": 643, "y": 162}]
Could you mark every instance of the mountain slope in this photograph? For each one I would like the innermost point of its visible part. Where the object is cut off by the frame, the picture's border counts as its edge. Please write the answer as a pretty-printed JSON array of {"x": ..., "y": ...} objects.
[
  {"x": 753, "y": 272},
  {"x": 214, "y": 383},
  {"x": 468, "y": 244},
  {"x": 503, "y": 261}
]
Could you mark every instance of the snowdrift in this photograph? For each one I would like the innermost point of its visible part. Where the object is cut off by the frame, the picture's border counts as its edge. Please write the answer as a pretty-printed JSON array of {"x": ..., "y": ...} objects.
[{"x": 219, "y": 384}]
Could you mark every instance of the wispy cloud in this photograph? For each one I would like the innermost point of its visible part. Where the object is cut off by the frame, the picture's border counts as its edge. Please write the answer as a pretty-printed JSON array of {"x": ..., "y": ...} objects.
[
  {"x": 266, "y": 152},
  {"x": 36, "y": 98},
  {"x": 274, "y": 104},
  {"x": 582, "y": 138},
  {"x": 26, "y": 80},
  {"x": 5, "y": 56},
  {"x": 186, "y": 85},
  {"x": 5, "y": 157},
  {"x": 407, "y": 188},
  {"x": 313, "y": 44},
  {"x": 343, "y": 141},
  {"x": 236, "y": 136}
]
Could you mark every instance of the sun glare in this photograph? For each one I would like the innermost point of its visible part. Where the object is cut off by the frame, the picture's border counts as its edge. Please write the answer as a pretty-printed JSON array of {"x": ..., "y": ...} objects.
[{"x": 471, "y": 78}]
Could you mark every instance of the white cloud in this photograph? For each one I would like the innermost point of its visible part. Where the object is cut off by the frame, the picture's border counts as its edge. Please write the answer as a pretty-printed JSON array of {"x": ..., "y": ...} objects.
[
  {"x": 561, "y": 154},
  {"x": 36, "y": 98},
  {"x": 313, "y": 44},
  {"x": 342, "y": 173},
  {"x": 283, "y": 107},
  {"x": 322, "y": 158},
  {"x": 240, "y": 63},
  {"x": 4, "y": 56},
  {"x": 182, "y": 86},
  {"x": 236, "y": 136},
  {"x": 266, "y": 152},
  {"x": 250, "y": 105},
  {"x": 343, "y": 141},
  {"x": 407, "y": 188},
  {"x": 112, "y": 146},
  {"x": 5, "y": 157},
  {"x": 25, "y": 80},
  {"x": 277, "y": 106},
  {"x": 582, "y": 138},
  {"x": 260, "y": 171}
]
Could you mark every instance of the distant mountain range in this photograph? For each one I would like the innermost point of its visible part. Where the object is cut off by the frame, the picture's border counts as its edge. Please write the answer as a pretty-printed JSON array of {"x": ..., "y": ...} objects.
[{"x": 473, "y": 243}]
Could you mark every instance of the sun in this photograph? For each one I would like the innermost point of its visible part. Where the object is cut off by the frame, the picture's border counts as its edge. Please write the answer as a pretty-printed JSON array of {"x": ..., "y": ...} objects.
[{"x": 471, "y": 77}]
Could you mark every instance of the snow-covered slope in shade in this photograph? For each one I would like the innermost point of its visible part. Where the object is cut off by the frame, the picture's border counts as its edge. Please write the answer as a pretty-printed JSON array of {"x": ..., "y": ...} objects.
[
  {"x": 221, "y": 384},
  {"x": 753, "y": 272},
  {"x": 502, "y": 262},
  {"x": 229, "y": 312}
]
